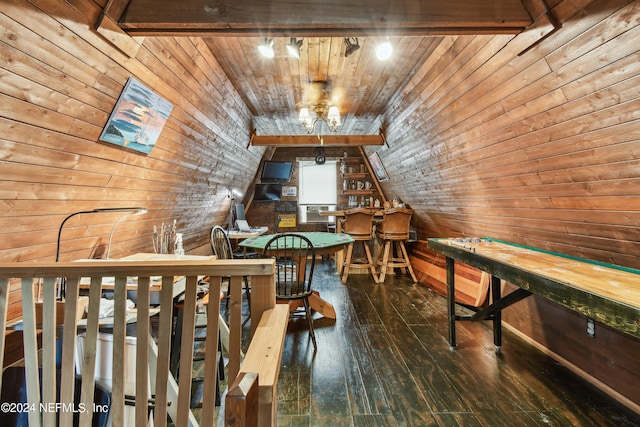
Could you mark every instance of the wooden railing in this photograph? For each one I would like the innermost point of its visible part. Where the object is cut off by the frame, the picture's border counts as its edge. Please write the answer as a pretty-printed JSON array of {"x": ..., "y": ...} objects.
[{"x": 172, "y": 400}]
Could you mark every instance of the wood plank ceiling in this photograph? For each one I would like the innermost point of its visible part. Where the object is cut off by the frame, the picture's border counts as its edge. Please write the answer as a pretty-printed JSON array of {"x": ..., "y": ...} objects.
[{"x": 360, "y": 85}]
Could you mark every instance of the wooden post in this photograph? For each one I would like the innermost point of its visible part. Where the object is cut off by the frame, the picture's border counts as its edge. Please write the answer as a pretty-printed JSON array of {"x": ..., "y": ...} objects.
[{"x": 241, "y": 403}]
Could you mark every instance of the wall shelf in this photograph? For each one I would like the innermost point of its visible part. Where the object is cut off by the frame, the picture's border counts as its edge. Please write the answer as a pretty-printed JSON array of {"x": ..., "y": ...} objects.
[
  {"x": 357, "y": 192},
  {"x": 355, "y": 175}
]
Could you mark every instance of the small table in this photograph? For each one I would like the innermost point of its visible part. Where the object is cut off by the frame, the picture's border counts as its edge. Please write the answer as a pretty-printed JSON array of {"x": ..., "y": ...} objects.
[{"x": 324, "y": 244}]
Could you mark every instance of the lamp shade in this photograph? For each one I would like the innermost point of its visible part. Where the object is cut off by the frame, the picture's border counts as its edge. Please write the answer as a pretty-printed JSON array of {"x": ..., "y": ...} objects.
[{"x": 334, "y": 114}]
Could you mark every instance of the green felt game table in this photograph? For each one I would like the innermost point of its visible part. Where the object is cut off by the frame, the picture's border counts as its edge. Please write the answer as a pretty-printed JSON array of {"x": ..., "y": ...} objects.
[{"x": 324, "y": 244}]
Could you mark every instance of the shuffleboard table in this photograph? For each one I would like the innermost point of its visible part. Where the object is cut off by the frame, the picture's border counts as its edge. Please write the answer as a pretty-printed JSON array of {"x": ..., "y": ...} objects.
[{"x": 607, "y": 293}]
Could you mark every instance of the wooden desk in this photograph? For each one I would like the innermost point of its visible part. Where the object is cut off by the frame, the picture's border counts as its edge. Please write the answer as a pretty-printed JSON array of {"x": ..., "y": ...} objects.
[
  {"x": 324, "y": 244},
  {"x": 607, "y": 293},
  {"x": 156, "y": 285}
]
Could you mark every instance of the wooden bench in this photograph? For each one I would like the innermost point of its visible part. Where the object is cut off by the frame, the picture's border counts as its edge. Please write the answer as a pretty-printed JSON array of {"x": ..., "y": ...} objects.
[
  {"x": 254, "y": 391},
  {"x": 472, "y": 285}
]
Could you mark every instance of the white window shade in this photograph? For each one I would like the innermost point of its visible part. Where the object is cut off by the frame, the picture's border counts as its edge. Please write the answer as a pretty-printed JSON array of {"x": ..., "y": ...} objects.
[{"x": 318, "y": 183}]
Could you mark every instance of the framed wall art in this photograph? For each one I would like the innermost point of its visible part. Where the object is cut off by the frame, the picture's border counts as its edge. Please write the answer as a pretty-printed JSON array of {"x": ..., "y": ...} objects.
[
  {"x": 378, "y": 167},
  {"x": 137, "y": 118},
  {"x": 289, "y": 191}
]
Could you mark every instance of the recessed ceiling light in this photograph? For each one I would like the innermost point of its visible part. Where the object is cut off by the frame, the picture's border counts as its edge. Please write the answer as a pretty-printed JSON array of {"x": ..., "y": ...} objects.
[{"x": 384, "y": 50}]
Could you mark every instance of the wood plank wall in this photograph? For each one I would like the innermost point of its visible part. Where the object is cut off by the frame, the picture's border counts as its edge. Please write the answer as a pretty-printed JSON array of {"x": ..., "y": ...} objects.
[
  {"x": 57, "y": 95},
  {"x": 541, "y": 149},
  {"x": 59, "y": 81}
]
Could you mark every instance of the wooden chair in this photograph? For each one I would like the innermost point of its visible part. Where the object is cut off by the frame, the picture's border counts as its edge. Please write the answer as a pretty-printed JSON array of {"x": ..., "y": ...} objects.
[
  {"x": 295, "y": 261},
  {"x": 358, "y": 223},
  {"x": 221, "y": 246},
  {"x": 394, "y": 231}
]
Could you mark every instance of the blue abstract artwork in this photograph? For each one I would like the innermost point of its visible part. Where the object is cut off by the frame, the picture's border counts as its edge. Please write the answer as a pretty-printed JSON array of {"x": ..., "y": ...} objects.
[{"x": 137, "y": 118}]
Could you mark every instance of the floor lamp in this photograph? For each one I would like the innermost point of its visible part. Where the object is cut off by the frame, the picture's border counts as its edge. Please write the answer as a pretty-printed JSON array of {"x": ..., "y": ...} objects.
[{"x": 126, "y": 211}]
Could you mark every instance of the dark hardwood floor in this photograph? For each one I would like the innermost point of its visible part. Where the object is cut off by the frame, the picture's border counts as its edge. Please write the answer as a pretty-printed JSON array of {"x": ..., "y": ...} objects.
[{"x": 385, "y": 361}]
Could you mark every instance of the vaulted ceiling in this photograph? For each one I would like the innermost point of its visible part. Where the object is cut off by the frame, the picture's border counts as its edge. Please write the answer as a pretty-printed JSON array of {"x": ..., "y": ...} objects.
[{"x": 360, "y": 85}]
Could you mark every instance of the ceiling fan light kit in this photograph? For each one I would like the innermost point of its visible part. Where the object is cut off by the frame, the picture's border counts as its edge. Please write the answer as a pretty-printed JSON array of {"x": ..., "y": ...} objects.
[
  {"x": 319, "y": 109},
  {"x": 317, "y": 106}
]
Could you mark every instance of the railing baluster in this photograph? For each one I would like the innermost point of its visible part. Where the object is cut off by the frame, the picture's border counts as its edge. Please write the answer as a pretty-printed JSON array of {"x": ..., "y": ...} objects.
[
  {"x": 69, "y": 339},
  {"x": 235, "y": 324},
  {"x": 142, "y": 352},
  {"x": 4, "y": 303},
  {"x": 186, "y": 349},
  {"x": 90, "y": 344},
  {"x": 119, "y": 350},
  {"x": 49, "y": 368},
  {"x": 31, "y": 350},
  {"x": 164, "y": 346},
  {"x": 211, "y": 354}
]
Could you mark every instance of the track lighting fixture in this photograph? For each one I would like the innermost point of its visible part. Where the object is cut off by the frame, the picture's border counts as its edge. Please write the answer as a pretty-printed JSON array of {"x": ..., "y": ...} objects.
[
  {"x": 351, "y": 45},
  {"x": 294, "y": 47}
]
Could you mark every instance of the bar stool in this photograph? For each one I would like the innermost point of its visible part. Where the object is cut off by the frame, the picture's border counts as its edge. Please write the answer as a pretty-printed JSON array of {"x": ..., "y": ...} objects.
[
  {"x": 394, "y": 231},
  {"x": 358, "y": 223}
]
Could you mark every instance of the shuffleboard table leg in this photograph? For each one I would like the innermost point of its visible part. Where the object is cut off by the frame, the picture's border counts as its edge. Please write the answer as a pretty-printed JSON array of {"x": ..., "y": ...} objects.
[
  {"x": 451, "y": 301},
  {"x": 497, "y": 315}
]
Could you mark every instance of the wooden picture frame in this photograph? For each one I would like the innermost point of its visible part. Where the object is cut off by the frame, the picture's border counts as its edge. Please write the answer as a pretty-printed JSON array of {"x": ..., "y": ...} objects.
[
  {"x": 137, "y": 118},
  {"x": 378, "y": 168}
]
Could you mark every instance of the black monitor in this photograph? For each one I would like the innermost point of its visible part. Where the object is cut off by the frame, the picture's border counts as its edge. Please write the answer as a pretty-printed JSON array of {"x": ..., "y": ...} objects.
[
  {"x": 267, "y": 192},
  {"x": 237, "y": 213},
  {"x": 276, "y": 171}
]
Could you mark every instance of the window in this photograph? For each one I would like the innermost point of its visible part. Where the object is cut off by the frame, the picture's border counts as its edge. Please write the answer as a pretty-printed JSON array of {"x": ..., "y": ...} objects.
[{"x": 318, "y": 190}]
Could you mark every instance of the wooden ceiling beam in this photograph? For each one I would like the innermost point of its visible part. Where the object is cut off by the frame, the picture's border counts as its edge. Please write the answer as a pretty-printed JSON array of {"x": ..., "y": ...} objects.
[
  {"x": 209, "y": 31},
  {"x": 354, "y": 18},
  {"x": 314, "y": 141}
]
